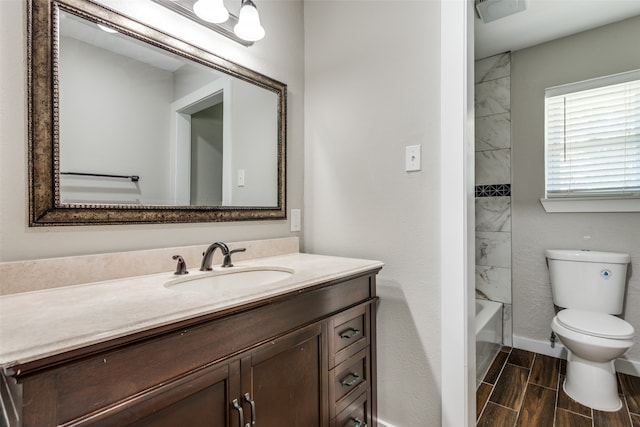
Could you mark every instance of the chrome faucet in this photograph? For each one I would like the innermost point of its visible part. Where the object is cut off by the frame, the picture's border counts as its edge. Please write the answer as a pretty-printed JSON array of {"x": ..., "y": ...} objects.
[{"x": 207, "y": 256}]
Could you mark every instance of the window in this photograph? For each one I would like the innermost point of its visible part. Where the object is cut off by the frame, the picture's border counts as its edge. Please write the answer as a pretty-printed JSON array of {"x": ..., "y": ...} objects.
[{"x": 592, "y": 141}]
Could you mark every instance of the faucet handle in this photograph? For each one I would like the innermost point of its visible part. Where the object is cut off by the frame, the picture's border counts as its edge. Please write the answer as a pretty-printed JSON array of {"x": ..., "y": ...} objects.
[
  {"x": 227, "y": 257},
  {"x": 181, "y": 267}
]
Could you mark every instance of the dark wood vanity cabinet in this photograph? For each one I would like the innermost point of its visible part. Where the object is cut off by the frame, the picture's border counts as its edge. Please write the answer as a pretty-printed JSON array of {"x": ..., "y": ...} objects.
[
  {"x": 284, "y": 379},
  {"x": 302, "y": 359}
]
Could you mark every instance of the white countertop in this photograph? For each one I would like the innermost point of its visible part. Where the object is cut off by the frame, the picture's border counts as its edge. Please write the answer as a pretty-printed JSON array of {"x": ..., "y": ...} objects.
[{"x": 39, "y": 324}]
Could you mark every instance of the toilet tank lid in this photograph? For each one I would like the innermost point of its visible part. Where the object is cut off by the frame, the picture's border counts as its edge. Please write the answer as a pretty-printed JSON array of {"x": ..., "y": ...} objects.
[
  {"x": 597, "y": 324},
  {"x": 587, "y": 256}
]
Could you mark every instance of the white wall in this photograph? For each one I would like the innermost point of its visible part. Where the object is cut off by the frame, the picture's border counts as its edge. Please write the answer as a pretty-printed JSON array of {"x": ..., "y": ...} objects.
[
  {"x": 100, "y": 133},
  {"x": 372, "y": 87},
  {"x": 252, "y": 119},
  {"x": 279, "y": 55},
  {"x": 191, "y": 77},
  {"x": 607, "y": 50}
]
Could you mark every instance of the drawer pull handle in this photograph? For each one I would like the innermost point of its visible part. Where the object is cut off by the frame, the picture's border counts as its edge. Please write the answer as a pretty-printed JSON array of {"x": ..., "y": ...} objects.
[
  {"x": 349, "y": 333},
  {"x": 354, "y": 380},
  {"x": 247, "y": 398},
  {"x": 358, "y": 422},
  {"x": 239, "y": 409}
]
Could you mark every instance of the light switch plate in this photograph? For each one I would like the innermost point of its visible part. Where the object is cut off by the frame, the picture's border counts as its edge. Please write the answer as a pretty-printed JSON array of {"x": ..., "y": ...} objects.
[
  {"x": 412, "y": 158},
  {"x": 296, "y": 219}
]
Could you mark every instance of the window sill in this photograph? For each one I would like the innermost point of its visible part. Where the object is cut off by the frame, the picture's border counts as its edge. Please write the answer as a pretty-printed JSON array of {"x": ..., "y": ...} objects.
[{"x": 591, "y": 205}]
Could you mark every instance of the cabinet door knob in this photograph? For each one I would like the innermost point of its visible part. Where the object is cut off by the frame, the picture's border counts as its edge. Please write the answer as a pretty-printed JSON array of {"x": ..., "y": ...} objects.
[
  {"x": 349, "y": 333},
  {"x": 358, "y": 422},
  {"x": 355, "y": 378},
  {"x": 240, "y": 414},
  {"x": 247, "y": 398}
]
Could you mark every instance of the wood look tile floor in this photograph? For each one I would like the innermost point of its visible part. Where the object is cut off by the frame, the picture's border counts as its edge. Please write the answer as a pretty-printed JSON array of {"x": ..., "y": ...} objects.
[{"x": 524, "y": 389}]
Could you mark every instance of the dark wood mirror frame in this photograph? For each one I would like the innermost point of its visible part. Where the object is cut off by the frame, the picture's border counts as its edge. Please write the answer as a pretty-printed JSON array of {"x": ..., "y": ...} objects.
[{"x": 45, "y": 208}]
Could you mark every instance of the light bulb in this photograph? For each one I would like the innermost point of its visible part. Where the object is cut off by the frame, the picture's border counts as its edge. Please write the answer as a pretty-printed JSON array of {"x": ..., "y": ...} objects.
[
  {"x": 248, "y": 26},
  {"x": 211, "y": 11}
]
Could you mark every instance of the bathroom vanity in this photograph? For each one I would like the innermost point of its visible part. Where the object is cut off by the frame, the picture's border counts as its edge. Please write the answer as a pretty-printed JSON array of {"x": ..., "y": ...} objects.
[{"x": 297, "y": 352}]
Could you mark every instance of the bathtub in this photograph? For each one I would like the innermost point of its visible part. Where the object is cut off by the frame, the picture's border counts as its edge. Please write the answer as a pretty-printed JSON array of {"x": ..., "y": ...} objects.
[{"x": 488, "y": 335}]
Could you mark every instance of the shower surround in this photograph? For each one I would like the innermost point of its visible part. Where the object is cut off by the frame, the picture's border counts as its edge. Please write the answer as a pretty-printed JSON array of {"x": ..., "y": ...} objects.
[{"x": 493, "y": 183}]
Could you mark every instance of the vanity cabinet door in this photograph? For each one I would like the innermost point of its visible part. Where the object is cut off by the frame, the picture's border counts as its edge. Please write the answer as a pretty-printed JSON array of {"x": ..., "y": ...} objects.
[
  {"x": 198, "y": 399},
  {"x": 287, "y": 380}
]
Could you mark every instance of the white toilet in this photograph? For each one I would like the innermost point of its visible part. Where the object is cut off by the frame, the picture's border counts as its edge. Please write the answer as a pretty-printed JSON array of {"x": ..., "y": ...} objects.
[{"x": 589, "y": 288}]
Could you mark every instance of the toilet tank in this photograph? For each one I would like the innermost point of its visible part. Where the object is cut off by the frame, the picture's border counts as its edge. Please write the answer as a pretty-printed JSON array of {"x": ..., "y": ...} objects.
[{"x": 588, "y": 280}]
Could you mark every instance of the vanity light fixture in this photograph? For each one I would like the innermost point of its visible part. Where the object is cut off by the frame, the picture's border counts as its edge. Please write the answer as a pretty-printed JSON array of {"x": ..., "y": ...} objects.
[
  {"x": 211, "y": 10},
  {"x": 248, "y": 26},
  {"x": 244, "y": 29}
]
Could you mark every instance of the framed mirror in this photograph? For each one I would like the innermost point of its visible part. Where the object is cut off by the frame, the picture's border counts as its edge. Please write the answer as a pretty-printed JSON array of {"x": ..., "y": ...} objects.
[{"x": 130, "y": 125}]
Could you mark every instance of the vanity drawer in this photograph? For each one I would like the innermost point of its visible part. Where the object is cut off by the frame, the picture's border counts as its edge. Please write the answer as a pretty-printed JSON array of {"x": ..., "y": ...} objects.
[
  {"x": 349, "y": 333},
  {"x": 349, "y": 380},
  {"x": 357, "y": 414}
]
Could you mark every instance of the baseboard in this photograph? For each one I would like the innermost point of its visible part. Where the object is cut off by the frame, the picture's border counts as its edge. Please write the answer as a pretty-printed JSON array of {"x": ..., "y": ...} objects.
[
  {"x": 625, "y": 366},
  {"x": 629, "y": 367},
  {"x": 382, "y": 423},
  {"x": 542, "y": 347}
]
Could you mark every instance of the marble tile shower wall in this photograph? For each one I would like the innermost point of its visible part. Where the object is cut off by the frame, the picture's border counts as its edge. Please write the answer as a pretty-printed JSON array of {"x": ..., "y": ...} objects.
[{"x": 493, "y": 182}]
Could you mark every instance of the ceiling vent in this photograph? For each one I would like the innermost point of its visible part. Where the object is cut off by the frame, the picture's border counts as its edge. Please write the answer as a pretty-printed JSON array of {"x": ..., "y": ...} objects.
[{"x": 490, "y": 10}]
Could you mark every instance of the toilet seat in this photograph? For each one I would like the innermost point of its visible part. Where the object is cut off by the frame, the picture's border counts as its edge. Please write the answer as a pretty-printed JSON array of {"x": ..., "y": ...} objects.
[{"x": 595, "y": 324}]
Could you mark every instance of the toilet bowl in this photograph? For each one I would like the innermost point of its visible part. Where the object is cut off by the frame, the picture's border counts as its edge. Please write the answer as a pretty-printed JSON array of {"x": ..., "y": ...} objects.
[
  {"x": 589, "y": 288},
  {"x": 593, "y": 340}
]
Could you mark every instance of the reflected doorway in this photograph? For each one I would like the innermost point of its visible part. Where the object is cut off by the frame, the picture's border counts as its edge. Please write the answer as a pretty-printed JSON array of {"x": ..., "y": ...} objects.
[{"x": 207, "y": 156}]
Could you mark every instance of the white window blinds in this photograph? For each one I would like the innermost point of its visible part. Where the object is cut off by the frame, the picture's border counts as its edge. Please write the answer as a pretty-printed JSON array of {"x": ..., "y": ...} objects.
[{"x": 593, "y": 138}]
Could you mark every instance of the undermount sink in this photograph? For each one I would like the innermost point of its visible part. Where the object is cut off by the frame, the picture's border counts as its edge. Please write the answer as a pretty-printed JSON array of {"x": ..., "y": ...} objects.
[{"x": 233, "y": 281}]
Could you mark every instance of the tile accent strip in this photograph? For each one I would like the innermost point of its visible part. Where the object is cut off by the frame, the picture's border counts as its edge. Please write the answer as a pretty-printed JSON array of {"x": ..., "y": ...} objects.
[{"x": 497, "y": 190}]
